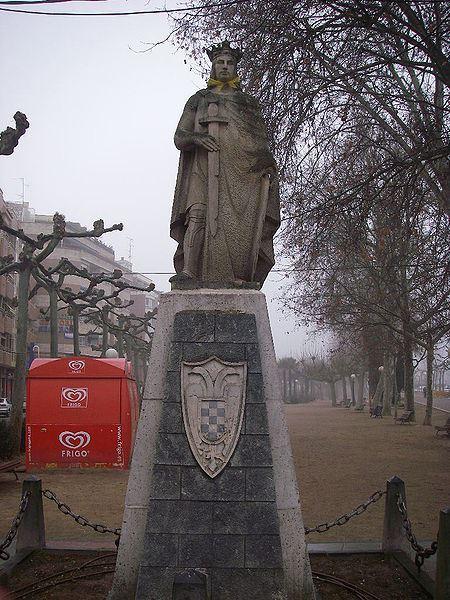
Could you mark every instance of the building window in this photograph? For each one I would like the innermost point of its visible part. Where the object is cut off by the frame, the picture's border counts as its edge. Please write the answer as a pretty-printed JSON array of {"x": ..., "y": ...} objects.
[
  {"x": 6, "y": 342},
  {"x": 5, "y": 307}
]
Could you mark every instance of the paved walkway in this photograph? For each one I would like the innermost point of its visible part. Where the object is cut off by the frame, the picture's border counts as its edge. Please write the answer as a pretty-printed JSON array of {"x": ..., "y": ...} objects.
[{"x": 438, "y": 403}]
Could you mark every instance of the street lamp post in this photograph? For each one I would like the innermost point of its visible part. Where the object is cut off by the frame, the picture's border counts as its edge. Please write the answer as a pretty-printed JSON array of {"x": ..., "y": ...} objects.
[{"x": 380, "y": 385}]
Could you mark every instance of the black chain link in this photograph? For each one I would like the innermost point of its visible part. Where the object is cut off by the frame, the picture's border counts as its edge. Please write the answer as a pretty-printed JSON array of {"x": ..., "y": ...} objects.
[
  {"x": 421, "y": 552},
  {"x": 83, "y": 521},
  {"x": 343, "y": 519},
  {"x": 4, "y": 555}
]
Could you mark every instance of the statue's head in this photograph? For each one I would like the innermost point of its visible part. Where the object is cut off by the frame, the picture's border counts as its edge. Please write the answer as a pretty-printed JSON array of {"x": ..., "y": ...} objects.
[{"x": 224, "y": 60}]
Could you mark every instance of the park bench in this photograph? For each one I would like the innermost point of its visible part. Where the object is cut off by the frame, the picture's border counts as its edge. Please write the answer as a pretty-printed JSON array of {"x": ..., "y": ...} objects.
[
  {"x": 445, "y": 429},
  {"x": 12, "y": 466},
  {"x": 406, "y": 417},
  {"x": 377, "y": 412},
  {"x": 345, "y": 403}
]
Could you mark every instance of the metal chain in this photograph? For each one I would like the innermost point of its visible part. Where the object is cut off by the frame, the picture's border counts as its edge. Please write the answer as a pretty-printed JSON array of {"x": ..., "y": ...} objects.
[
  {"x": 421, "y": 552},
  {"x": 4, "y": 555},
  {"x": 83, "y": 521},
  {"x": 343, "y": 519}
]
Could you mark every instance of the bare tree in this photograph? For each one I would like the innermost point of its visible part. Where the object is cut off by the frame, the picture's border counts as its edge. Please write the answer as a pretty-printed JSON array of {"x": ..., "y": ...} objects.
[
  {"x": 356, "y": 97},
  {"x": 323, "y": 69}
]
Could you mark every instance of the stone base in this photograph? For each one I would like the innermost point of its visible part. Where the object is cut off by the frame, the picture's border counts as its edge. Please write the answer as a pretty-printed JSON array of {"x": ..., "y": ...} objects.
[
  {"x": 194, "y": 284},
  {"x": 243, "y": 527},
  {"x": 226, "y": 584}
]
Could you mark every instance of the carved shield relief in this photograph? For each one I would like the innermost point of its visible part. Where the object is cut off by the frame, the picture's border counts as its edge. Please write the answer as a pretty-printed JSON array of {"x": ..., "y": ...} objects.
[{"x": 213, "y": 399}]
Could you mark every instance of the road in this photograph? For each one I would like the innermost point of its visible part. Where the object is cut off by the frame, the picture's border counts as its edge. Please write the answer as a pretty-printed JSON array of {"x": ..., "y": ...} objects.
[{"x": 441, "y": 403}]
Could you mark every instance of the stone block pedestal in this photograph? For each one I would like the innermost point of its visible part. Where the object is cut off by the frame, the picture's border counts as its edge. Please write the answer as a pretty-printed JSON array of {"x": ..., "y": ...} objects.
[{"x": 235, "y": 517}]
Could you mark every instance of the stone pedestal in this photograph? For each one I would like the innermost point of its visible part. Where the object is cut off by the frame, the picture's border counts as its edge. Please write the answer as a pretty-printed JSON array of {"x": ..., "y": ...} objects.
[{"x": 237, "y": 521}]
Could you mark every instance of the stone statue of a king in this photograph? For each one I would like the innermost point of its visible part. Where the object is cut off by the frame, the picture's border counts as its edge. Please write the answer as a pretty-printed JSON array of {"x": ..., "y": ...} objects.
[{"x": 226, "y": 208}]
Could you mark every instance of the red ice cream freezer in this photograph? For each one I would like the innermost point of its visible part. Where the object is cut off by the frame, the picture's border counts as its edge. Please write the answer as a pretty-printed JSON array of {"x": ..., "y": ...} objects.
[{"x": 81, "y": 412}]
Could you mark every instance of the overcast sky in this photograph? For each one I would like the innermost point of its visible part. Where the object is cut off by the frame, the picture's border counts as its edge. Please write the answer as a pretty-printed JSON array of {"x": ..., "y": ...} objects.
[{"x": 102, "y": 116}]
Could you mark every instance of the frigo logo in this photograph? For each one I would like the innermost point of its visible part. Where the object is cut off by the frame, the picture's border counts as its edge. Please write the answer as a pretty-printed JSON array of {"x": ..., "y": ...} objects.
[
  {"x": 75, "y": 442},
  {"x": 74, "y": 397},
  {"x": 77, "y": 366}
]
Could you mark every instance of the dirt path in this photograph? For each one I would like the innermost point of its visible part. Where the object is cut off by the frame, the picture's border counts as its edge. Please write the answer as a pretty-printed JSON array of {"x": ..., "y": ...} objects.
[
  {"x": 341, "y": 458},
  {"x": 98, "y": 494},
  {"x": 89, "y": 575}
]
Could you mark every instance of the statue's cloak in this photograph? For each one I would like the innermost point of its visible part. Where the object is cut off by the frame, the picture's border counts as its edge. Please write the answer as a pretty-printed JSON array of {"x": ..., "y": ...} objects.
[{"x": 238, "y": 250}]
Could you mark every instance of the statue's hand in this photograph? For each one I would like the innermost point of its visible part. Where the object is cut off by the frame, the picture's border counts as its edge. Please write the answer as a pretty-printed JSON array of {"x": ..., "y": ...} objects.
[{"x": 206, "y": 141}]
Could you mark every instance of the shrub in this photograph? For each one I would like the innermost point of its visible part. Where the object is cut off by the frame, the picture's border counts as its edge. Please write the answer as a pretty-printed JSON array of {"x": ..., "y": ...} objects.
[{"x": 6, "y": 450}]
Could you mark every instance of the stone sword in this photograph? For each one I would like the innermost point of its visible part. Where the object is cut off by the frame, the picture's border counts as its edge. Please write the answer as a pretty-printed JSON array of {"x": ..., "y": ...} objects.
[{"x": 213, "y": 121}]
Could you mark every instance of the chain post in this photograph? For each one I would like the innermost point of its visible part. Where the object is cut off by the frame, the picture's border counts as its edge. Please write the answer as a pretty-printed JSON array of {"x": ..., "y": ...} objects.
[
  {"x": 442, "y": 590},
  {"x": 9, "y": 538},
  {"x": 31, "y": 534},
  {"x": 393, "y": 532},
  {"x": 421, "y": 552}
]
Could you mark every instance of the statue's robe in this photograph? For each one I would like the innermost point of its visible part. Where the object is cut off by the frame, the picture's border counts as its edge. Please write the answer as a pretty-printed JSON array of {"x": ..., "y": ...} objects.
[{"x": 237, "y": 251}]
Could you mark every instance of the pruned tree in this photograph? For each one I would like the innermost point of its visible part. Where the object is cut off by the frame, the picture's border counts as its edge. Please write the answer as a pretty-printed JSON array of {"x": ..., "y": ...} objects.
[
  {"x": 85, "y": 302},
  {"x": 9, "y": 138},
  {"x": 30, "y": 263},
  {"x": 133, "y": 335},
  {"x": 290, "y": 371}
]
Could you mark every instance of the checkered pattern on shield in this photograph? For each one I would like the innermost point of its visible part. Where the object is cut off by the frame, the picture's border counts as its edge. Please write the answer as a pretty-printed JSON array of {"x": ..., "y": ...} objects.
[{"x": 212, "y": 419}]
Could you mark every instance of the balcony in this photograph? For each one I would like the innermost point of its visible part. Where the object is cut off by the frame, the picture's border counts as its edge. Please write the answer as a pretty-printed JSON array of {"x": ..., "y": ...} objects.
[{"x": 7, "y": 359}]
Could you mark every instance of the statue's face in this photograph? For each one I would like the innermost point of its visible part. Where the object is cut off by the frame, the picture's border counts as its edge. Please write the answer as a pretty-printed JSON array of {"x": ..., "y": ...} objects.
[{"x": 225, "y": 67}]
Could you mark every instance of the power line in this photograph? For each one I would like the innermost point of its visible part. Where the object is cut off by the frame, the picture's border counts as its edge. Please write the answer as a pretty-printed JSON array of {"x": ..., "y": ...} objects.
[
  {"x": 302, "y": 270},
  {"x": 110, "y": 14},
  {"x": 25, "y": 2}
]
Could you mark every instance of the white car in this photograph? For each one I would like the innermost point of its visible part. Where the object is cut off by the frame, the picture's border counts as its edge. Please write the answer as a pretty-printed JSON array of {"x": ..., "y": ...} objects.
[{"x": 5, "y": 408}]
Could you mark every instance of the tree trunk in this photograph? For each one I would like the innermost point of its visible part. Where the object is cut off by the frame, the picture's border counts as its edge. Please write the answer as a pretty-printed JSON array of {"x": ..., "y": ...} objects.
[
  {"x": 18, "y": 395},
  {"x": 119, "y": 336},
  {"x": 388, "y": 373},
  {"x": 76, "y": 331},
  {"x": 53, "y": 296},
  {"x": 408, "y": 373},
  {"x": 344, "y": 389},
  {"x": 145, "y": 367},
  {"x": 400, "y": 372},
  {"x": 395, "y": 391},
  {"x": 378, "y": 396},
  {"x": 137, "y": 362},
  {"x": 352, "y": 390},
  {"x": 374, "y": 375},
  {"x": 430, "y": 359},
  {"x": 360, "y": 391},
  {"x": 307, "y": 389},
  {"x": 332, "y": 392},
  {"x": 105, "y": 331}
]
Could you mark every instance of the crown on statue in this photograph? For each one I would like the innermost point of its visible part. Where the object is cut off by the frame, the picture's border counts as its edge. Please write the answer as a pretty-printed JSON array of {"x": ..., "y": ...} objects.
[{"x": 224, "y": 48}]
